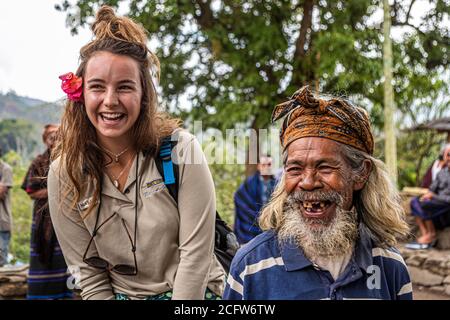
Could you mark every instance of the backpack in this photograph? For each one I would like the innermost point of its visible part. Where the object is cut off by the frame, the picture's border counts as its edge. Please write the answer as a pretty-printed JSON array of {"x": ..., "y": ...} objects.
[{"x": 225, "y": 242}]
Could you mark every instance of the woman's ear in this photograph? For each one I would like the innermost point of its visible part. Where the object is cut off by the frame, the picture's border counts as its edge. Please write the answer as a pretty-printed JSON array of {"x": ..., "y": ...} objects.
[{"x": 361, "y": 179}]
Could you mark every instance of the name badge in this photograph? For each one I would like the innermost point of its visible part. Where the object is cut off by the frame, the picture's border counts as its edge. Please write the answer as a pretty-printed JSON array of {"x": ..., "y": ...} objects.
[
  {"x": 83, "y": 205},
  {"x": 152, "y": 187}
]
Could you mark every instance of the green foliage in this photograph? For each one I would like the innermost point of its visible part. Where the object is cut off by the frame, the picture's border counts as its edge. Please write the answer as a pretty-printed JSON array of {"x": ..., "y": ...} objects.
[
  {"x": 235, "y": 60},
  {"x": 18, "y": 135},
  {"x": 21, "y": 123},
  {"x": 227, "y": 178}
]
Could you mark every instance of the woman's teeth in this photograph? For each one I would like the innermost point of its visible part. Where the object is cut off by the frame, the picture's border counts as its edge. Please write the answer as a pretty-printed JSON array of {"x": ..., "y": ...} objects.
[{"x": 111, "y": 116}]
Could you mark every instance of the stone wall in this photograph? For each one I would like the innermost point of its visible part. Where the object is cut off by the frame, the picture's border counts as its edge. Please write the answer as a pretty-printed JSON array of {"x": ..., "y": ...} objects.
[
  {"x": 13, "y": 282},
  {"x": 429, "y": 268}
]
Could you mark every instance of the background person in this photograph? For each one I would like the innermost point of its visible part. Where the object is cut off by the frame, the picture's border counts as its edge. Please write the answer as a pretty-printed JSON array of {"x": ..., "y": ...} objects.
[
  {"x": 250, "y": 197},
  {"x": 434, "y": 169},
  {"x": 6, "y": 183},
  {"x": 432, "y": 210},
  {"x": 47, "y": 275}
]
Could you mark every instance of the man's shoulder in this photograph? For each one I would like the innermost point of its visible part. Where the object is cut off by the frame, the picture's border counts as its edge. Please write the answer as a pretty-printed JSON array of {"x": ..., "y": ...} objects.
[
  {"x": 390, "y": 257},
  {"x": 249, "y": 181},
  {"x": 444, "y": 173},
  {"x": 5, "y": 167},
  {"x": 259, "y": 248}
]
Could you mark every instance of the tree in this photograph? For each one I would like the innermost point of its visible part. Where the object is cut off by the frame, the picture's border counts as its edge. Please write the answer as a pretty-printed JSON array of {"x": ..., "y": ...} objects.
[
  {"x": 231, "y": 61},
  {"x": 389, "y": 108},
  {"x": 20, "y": 136}
]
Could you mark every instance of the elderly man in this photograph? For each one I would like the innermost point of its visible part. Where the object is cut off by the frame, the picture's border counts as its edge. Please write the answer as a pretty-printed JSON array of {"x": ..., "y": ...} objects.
[{"x": 332, "y": 220}]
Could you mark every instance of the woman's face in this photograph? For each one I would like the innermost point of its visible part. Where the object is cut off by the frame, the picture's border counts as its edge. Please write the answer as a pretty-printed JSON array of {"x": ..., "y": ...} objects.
[
  {"x": 112, "y": 95},
  {"x": 51, "y": 138}
]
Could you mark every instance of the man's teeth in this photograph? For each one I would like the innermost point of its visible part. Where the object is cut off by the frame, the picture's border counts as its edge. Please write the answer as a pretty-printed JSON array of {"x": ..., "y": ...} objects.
[{"x": 314, "y": 204}]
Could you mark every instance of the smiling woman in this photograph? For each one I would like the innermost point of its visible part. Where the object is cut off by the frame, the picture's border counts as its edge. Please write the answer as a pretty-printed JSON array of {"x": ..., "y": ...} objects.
[
  {"x": 112, "y": 97},
  {"x": 114, "y": 217}
]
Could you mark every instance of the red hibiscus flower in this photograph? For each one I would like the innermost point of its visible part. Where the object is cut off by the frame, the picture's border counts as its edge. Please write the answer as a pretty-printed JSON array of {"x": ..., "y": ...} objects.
[{"x": 73, "y": 86}]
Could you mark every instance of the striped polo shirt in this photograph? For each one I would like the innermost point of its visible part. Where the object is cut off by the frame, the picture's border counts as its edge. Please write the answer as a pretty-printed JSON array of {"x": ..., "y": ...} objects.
[{"x": 265, "y": 270}]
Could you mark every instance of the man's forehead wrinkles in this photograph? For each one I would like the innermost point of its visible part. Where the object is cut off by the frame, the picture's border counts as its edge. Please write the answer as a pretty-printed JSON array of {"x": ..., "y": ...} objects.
[{"x": 313, "y": 154}]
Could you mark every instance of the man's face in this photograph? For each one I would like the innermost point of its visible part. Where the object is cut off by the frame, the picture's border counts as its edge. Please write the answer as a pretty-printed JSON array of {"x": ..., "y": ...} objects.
[
  {"x": 320, "y": 177},
  {"x": 265, "y": 166}
]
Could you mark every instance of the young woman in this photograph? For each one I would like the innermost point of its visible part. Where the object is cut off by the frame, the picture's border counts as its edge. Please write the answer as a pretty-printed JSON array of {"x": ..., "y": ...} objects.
[{"x": 119, "y": 228}]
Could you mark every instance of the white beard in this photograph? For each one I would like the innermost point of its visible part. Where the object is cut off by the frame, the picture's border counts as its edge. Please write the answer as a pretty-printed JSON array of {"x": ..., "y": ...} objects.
[{"x": 334, "y": 238}]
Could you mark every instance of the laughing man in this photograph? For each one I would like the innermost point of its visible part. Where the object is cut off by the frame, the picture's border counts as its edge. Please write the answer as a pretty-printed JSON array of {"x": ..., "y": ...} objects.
[{"x": 334, "y": 218}]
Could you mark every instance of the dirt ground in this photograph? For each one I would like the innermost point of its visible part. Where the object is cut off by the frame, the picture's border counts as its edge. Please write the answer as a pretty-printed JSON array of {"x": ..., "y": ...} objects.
[{"x": 421, "y": 293}]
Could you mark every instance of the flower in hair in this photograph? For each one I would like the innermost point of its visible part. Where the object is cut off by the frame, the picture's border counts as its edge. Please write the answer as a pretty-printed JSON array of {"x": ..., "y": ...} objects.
[{"x": 73, "y": 86}]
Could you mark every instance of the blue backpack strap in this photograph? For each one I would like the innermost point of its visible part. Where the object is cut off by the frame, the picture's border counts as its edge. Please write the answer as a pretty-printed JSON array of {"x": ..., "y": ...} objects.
[
  {"x": 165, "y": 155},
  {"x": 225, "y": 242}
]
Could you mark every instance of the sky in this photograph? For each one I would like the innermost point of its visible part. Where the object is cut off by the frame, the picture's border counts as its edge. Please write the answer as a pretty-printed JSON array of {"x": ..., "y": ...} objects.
[{"x": 36, "y": 47}]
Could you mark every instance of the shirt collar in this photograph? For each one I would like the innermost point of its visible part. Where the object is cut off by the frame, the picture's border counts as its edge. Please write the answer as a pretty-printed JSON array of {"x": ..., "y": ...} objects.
[
  {"x": 294, "y": 258},
  {"x": 110, "y": 190},
  {"x": 363, "y": 249}
]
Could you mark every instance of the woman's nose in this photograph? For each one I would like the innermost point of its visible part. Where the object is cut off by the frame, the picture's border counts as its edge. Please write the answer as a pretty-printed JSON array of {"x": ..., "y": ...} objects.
[{"x": 111, "y": 98}]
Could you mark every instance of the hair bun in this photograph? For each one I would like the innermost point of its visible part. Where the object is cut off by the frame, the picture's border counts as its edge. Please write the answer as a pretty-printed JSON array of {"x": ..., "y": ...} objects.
[
  {"x": 105, "y": 13},
  {"x": 108, "y": 25}
]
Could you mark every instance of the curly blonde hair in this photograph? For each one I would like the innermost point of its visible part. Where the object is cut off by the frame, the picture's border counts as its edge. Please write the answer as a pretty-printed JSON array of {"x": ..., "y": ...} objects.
[{"x": 77, "y": 144}]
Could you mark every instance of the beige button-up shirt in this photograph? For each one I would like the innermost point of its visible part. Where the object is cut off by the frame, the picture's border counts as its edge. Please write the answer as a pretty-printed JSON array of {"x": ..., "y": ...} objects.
[
  {"x": 174, "y": 247},
  {"x": 6, "y": 180}
]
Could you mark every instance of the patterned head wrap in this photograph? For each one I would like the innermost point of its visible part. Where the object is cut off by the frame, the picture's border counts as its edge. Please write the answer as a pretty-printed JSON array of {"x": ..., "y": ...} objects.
[{"x": 335, "y": 119}]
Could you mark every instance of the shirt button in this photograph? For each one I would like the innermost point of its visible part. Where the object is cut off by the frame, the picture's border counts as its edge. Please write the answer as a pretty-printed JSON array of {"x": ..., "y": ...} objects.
[{"x": 126, "y": 191}]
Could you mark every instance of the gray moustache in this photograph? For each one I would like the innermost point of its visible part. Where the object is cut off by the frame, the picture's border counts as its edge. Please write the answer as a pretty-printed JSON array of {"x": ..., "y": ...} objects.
[{"x": 301, "y": 196}]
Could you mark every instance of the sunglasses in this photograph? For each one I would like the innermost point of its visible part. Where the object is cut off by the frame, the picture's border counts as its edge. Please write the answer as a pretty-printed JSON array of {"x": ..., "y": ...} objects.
[{"x": 100, "y": 263}]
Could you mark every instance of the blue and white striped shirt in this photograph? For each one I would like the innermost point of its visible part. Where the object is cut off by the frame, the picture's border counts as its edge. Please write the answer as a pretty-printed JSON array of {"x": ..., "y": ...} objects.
[{"x": 262, "y": 270}]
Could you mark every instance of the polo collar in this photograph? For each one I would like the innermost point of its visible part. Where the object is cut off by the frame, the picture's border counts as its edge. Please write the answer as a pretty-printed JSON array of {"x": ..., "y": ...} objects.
[
  {"x": 363, "y": 251},
  {"x": 110, "y": 190},
  {"x": 293, "y": 257}
]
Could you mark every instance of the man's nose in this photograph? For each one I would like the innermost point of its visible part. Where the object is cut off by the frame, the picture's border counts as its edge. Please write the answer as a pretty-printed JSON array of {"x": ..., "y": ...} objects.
[{"x": 309, "y": 181}]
